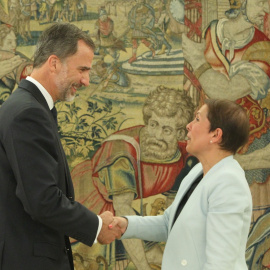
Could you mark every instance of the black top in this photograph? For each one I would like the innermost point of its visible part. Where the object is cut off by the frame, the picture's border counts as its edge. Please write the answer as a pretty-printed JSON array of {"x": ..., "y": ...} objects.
[{"x": 186, "y": 197}]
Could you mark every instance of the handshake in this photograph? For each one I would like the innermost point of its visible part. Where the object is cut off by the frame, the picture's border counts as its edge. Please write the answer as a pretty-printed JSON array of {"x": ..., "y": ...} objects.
[{"x": 112, "y": 228}]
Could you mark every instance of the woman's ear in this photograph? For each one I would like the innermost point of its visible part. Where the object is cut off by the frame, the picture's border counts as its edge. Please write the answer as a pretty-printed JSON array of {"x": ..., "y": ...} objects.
[{"x": 217, "y": 135}]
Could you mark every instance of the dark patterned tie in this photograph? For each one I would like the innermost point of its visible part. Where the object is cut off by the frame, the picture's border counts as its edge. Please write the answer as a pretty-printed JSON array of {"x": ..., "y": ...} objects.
[{"x": 54, "y": 113}]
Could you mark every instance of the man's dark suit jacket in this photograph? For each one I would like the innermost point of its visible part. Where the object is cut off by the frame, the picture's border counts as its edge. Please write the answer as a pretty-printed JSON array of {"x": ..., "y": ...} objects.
[{"x": 37, "y": 207}]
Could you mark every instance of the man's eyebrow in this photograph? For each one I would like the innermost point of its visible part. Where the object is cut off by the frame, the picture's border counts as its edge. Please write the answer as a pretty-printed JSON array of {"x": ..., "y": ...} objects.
[
  {"x": 167, "y": 127},
  {"x": 84, "y": 68}
]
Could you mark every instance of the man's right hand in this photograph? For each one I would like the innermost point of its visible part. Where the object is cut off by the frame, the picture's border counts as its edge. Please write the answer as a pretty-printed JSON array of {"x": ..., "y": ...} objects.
[{"x": 108, "y": 233}]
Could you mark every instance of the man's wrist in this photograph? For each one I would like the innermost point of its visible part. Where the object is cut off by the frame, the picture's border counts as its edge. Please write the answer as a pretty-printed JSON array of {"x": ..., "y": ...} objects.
[{"x": 99, "y": 228}]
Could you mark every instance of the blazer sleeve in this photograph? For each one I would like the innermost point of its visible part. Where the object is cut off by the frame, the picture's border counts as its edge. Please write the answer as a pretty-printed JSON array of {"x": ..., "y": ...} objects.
[
  {"x": 228, "y": 219},
  {"x": 150, "y": 228},
  {"x": 33, "y": 155}
]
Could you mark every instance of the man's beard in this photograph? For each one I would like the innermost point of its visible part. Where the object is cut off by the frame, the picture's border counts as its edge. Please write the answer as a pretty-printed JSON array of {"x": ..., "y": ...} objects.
[
  {"x": 67, "y": 94},
  {"x": 151, "y": 148},
  {"x": 64, "y": 87}
]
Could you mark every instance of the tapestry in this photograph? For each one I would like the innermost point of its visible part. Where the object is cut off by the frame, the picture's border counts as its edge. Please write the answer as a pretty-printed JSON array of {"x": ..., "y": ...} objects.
[{"x": 197, "y": 48}]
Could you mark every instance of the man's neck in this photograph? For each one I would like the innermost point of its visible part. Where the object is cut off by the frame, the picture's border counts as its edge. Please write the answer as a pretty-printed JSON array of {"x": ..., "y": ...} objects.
[{"x": 42, "y": 75}]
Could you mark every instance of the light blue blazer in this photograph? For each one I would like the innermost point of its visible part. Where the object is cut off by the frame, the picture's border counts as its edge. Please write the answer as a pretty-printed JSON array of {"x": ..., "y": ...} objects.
[{"x": 212, "y": 229}]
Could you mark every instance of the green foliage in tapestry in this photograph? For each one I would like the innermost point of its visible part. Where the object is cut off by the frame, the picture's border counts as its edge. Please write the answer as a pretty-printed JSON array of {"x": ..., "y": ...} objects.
[{"x": 83, "y": 127}]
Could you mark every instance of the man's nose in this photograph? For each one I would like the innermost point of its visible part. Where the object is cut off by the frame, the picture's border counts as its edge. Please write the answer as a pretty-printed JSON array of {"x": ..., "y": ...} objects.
[
  {"x": 159, "y": 134},
  {"x": 85, "y": 79}
]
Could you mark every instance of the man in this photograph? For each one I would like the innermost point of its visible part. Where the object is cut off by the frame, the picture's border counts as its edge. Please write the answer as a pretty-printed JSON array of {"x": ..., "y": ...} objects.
[
  {"x": 38, "y": 211},
  {"x": 137, "y": 163}
]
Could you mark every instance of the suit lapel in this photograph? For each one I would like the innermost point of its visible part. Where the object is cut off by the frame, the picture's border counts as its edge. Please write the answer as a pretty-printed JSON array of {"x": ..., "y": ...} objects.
[{"x": 33, "y": 89}]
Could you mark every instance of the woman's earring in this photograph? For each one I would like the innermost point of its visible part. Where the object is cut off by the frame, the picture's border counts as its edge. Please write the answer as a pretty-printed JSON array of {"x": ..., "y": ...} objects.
[{"x": 211, "y": 141}]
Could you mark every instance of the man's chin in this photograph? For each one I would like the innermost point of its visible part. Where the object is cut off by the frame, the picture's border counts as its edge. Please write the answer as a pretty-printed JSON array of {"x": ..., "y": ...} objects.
[
  {"x": 156, "y": 148},
  {"x": 70, "y": 98},
  {"x": 156, "y": 156}
]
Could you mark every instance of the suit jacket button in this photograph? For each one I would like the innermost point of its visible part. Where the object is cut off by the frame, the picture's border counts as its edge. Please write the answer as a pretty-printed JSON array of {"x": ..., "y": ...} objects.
[{"x": 184, "y": 262}]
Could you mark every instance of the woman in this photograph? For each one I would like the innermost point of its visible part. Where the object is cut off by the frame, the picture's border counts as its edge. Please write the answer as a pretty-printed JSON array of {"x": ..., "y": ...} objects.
[{"x": 214, "y": 198}]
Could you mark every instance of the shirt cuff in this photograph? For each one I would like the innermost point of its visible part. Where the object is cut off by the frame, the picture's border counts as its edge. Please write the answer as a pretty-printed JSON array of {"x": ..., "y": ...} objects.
[{"x": 99, "y": 228}]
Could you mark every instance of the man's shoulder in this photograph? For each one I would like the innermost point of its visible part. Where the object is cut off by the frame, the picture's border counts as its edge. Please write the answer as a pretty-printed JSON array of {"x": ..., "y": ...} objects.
[
  {"x": 19, "y": 96},
  {"x": 122, "y": 143},
  {"x": 260, "y": 36},
  {"x": 125, "y": 141},
  {"x": 17, "y": 99},
  {"x": 211, "y": 25},
  {"x": 18, "y": 102}
]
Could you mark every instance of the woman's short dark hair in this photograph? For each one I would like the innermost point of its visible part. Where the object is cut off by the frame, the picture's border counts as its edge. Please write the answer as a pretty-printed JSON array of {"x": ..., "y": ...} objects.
[
  {"x": 61, "y": 39},
  {"x": 232, "y": 119}
]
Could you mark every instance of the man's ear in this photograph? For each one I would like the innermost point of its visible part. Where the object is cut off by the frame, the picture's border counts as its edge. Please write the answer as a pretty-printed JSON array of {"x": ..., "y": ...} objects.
[
  {"x": 181, "y": 134},
  {"x": 53, "y": 62}
]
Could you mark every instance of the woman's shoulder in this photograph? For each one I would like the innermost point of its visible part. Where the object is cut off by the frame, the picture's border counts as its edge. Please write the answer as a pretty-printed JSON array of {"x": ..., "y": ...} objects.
[{"x": 229, "y": 178}]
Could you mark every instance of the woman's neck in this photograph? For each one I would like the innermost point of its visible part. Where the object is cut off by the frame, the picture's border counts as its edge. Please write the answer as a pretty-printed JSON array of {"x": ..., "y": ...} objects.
[{"x": 212, "y": 158}]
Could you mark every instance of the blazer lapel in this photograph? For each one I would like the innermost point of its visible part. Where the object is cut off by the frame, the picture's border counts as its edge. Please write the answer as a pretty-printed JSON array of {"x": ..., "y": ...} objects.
[{"x": 184, "y": 187}]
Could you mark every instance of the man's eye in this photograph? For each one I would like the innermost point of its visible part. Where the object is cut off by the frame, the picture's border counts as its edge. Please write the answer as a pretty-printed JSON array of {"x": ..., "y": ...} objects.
[{"x": 167, "y": 131}]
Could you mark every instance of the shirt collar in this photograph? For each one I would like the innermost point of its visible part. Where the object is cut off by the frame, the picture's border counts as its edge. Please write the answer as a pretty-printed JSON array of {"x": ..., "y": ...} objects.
[{"x": 43, "y": 91}]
